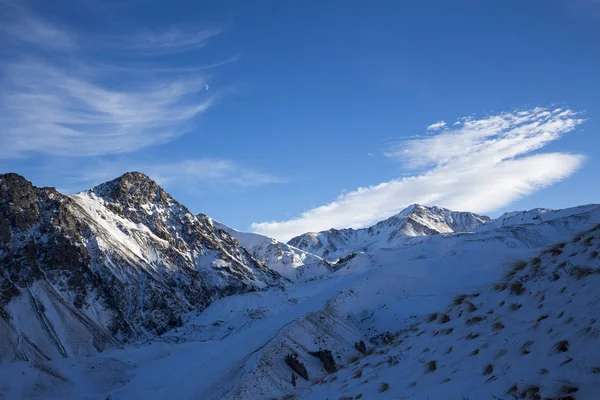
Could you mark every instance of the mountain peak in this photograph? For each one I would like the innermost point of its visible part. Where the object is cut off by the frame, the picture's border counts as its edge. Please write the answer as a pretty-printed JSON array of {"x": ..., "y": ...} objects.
[
  {"x": 415, "y": 208},
  {"x": 420, "y": 210},
  {"x": 135, "y": 179},
  {"x": 131, "y": 187},
  {"x": 420, "y": 207},
  {"x": 135, "y": 176},
  {"x": 440, "y": 219}
]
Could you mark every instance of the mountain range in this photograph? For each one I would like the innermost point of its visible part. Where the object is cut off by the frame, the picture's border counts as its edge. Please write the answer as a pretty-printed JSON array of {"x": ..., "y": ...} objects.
[{"x": 121, "y": 292}]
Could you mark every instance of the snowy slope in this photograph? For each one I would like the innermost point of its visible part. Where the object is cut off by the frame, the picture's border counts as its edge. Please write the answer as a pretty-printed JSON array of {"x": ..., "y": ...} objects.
[
  {"x": 236, "y": 347},
  {"x": 533, "y": 334},
  {"x": 288, "y": 261},
  {"x": 416, "y": 220}
]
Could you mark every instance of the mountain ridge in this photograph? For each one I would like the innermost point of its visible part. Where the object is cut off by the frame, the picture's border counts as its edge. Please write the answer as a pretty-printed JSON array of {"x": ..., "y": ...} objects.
[
  {"x": 415, "y": 220},
  {"x": 128, "y": 262}
]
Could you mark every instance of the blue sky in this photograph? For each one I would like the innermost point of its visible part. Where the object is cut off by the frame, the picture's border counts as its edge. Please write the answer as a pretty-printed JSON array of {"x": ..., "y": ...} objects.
[{"x": 285, "y": 117}]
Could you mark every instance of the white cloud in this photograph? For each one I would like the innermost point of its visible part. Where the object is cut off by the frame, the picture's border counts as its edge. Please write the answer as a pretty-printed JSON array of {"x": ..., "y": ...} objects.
[
  {"x": 50, "y": 110},
  {"x": 80, "y": 102},
  {"x": 479, "y": 166},
  {"x": 437, "y": 126}
]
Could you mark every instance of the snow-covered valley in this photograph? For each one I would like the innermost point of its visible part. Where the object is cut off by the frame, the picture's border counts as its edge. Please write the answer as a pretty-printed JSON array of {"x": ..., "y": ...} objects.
[{"x": 431, "y": 296}]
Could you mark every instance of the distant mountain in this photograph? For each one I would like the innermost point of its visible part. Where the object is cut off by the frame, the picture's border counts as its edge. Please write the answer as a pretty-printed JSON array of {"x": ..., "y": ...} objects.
[
  {"x": 538, "y": 216},
  {"x": 288, "y": 261},
  {"x": 121, "y": 261},
  {"x": 416, "y": 220}
]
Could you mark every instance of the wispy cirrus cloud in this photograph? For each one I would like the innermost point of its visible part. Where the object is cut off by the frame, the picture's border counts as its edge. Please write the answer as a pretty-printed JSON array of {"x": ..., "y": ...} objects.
[
  {"x": 60, "y": 95},
  {"x": 477, "y": 165},
  {"x": 72, "y": 103},
  {"x": 50, "y": 110}
]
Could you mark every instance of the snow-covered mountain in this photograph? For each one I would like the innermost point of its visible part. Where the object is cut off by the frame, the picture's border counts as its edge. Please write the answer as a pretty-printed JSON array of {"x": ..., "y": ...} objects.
[
  {"x": 288, "y": 261},
  {"x": 417, "y": 223},
  {"x": 453, "y": 306},
  {"x": 121, "y": 261},
  {"x": 415, "y": 220},
  {"x": 536, "y": 216}
]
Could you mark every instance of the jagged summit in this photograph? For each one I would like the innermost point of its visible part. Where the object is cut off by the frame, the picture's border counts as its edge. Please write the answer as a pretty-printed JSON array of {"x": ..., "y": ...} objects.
[
  {"x": 140, "y": 199},
  {"x": 419, "y": 209},
  {"x": 131, "y": 188},
  {"x": 421, "y": 220}
]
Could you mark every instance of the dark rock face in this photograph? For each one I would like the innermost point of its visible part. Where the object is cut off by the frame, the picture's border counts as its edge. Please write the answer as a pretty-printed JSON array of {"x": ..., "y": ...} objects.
[
  {"x": 38, "y": 233},
  {"x": 5, "y": 233},
  {"x": 361, "y": 347},
  {"x": 342, "y": 261},
  {"x": 292, "y": 361},
  {"x": 326, "y": 359},
  {"x": 124, "y": 260}
]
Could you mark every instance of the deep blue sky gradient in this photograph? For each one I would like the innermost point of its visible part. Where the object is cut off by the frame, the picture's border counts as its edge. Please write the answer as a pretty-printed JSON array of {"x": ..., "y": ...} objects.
[{"x": 321, "y": 89}]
